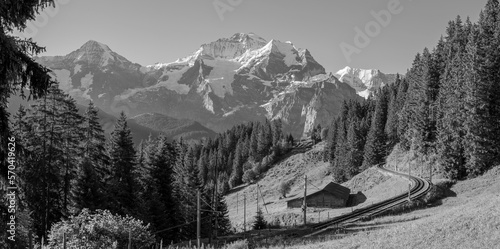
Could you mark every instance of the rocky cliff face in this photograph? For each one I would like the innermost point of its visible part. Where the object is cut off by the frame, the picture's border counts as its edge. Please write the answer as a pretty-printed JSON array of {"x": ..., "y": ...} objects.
[{"x": 223, "y": 83}]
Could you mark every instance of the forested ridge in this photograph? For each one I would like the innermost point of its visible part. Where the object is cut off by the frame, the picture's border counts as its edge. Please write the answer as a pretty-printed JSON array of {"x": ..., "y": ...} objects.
[
  {"x": 65, "y": 165},
  {"x": 447, "y": 106}
]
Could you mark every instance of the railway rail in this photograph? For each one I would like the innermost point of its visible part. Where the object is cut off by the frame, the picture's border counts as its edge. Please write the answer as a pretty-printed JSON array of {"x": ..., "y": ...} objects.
[{"x": 419, "y": 187}]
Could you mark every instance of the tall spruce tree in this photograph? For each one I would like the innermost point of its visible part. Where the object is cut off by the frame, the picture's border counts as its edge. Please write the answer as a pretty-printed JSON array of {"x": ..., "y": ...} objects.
[
  {"x": 87, "y": 191},
  {"x": 450, "y": 142},
  {"x": 479, "y": 123},
  {"x": 375, "y": 147},
  {"x": 354, "y": 157},
  {"x": 162, "y": 209},
  {"x": 94, "y": 142},
  {"x": 122, "y": 185}
]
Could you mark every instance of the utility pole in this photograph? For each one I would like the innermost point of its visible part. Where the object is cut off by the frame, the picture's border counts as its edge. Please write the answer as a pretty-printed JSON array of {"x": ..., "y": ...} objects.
[
  {"x": 257, "y": 197},
  {"x": 216, "y": 216},
  {"x": 409, "y": 181},
  {"x": 262, "y": 197},
  {"x": 64, "y": 240},
  {"x": 130, "y": 239},
  {"x": 304, "y": 206},
  {"x": 430, "y": 172},
  {"x": 245, "y": 213},
  {"x": 237, "y": 206},
  {"x": 198, "y": 221}
]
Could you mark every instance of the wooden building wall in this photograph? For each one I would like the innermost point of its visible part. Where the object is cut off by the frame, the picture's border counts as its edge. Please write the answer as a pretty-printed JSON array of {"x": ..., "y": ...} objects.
[{"x": 320, "y": 199}]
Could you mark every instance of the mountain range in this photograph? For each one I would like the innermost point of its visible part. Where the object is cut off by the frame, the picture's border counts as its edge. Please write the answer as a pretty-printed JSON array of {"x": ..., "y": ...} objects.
[
  {"x": 223, "y": 83},
  {"x": 364, "y": 81}
]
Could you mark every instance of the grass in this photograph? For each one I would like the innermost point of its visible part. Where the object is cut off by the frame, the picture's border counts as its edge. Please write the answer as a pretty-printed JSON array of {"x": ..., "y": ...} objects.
[
  {"x": 467, "y": 215},
  {"x": 374, "y": 185},
  {"x": 471, "y": 219}
]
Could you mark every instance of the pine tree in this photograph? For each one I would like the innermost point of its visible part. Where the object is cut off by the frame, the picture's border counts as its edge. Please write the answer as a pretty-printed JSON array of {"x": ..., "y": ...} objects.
[
  {"x": 403, "y": 115},
  {"x": 186, "y": 184},
  {"x": 72, "y": 136},
  {"x": 375, "y": 147},
  {"x": 391, "y": 127},
  {"x": 87, "y": 191},
  {"x": 253, "y": 150},
  {"x": 46, "y": 168},
  {"x": 94, "y": 142},
  {"x": 354, "y": 157},
  {"x": 488, "y": 56},
  {"x": 223, "y": 223},
  {"x": 338, "y": 166},
  {"x": 122, "y": 160},
  {"x": 450, "y": 124},
  {"x": 237, "y": 172},
  {"x": 479, "y": 123},
  {"x": 264, "y": 140},
  {"x": 277, "y": 135},
  {"x": 19, "y": 70},
  {"x": 329, "y": 153},
  {"x": 259, "y": 223},
  {"x": 163, "y": 207}
]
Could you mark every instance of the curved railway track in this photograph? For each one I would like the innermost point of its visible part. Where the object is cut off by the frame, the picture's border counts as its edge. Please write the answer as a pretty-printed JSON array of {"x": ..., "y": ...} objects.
[{"x": 419, "y": 188}]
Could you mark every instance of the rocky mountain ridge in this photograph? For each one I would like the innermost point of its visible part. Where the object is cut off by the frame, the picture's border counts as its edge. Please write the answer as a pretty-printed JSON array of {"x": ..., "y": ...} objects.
[{"x": 223, "y": 83}]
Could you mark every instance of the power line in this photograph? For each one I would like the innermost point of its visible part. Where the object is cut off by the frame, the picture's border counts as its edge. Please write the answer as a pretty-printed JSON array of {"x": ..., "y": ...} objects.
[
  {"x": 185, "y": 224},
  {"x": 309, "y": 181}
]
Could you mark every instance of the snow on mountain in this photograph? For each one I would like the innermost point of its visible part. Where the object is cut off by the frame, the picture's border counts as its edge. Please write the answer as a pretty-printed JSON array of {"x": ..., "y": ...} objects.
[
  {"x": 223, "y": 83},
  {"x": 364, "y": 81}
]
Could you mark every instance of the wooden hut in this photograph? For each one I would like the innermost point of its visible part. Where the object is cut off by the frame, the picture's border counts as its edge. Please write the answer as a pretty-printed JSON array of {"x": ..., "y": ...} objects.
[{"x": 332, "y": 195}]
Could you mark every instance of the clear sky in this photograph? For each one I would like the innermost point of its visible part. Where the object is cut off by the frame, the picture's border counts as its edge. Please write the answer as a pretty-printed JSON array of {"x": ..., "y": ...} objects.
[{"x": 151, "y": 31}]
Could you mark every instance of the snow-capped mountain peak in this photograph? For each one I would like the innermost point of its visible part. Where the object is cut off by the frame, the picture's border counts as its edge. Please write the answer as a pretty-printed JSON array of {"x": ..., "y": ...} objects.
[
  {"x": 364, "y": 81},
  {"x": 247, "y": 38},
  {"x": 240, "y": 78}
]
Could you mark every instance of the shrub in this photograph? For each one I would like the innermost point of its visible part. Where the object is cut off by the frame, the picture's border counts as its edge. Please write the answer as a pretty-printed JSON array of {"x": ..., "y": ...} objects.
[
  {"x": 240, "y": 244},
  {"x": 285, "y": 188},
  {"x": 249, "y": 176},
  {"x": 324, "y": 134},
  {"x": 99, "y": 230}
]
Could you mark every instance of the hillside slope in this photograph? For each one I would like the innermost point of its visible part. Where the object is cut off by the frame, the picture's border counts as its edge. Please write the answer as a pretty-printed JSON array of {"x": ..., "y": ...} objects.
[
  {"x": 468, "y": 218},
  {"x": 292, "y": 169}
]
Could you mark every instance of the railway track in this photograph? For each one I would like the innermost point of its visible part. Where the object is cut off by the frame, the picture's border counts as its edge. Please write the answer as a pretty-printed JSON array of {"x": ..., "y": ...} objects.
[{"x": 419, "y": 187}]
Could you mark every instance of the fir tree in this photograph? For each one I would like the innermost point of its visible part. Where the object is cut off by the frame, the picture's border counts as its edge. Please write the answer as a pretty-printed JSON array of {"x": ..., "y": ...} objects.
[
  {"x": 94, "y": 142},
  {"x": 163, "y": 208},
  {"x": 223, "y": 223},
  {"x": 122, "y": 160},
  {"x": 87, "y": 191},
  {"x": 375, "y": 147},
  {"x": 479, "y": 123},
  {"x": 259, "y": 222},
  {"x": 354, "y": 157}
]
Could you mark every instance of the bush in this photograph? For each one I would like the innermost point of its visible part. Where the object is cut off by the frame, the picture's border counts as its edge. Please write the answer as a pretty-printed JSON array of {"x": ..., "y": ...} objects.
[
  {"x": 324, "y": 134},
  {"x": 249, "y": 176},
  {"x": 285, "y": 188},
  {"x": 240, "y": 244},
  {"x": 99, "y": 230}
]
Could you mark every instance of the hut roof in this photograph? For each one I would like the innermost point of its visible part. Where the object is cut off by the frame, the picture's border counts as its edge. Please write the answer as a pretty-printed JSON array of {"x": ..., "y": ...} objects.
[{"x": 332, "y": 188}]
